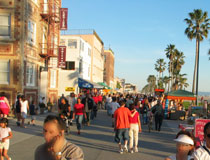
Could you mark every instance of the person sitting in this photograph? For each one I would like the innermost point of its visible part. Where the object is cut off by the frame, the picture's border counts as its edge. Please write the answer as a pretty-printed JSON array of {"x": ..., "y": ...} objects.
[{"x": 184, "y": 146}]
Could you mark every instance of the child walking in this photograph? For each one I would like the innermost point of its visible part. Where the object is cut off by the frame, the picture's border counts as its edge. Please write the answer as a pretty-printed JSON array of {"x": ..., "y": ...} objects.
[
  {"x": 32, "y": 112},
  {"x": 5, "y": 135}
]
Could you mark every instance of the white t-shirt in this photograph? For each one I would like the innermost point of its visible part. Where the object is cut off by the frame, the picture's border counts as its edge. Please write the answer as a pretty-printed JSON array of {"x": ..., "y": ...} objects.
[
  {"x": 24, "y": 106},
  {"x": 201, "y": 154},
  {"x": 4, "y": 132},
  {"x": 114, "y": 106}
]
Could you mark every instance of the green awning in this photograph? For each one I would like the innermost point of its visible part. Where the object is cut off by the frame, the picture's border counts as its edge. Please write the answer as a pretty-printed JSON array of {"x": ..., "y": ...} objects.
[
  {"x": 181, "y": 93},
  {"x": 104, "y": 84}
]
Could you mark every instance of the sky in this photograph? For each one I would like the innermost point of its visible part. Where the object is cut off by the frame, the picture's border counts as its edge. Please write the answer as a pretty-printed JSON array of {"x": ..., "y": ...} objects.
[{"x": 138, "y": 31}]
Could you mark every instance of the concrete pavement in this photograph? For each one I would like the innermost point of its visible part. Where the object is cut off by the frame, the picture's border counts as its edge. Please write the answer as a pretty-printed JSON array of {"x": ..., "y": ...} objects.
[{"x": 97, "y": 140}]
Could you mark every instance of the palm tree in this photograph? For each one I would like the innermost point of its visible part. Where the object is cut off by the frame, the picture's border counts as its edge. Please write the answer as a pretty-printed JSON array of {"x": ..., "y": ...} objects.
[
  {"x": 152, "y": 83},
  {"x": 160, "y": 67},
  {"x": 198, "y": 26},
  {"x": 182, "y": 81},
  {"x": 170, "y": 51},
  {"x": 166, "y": 81}
]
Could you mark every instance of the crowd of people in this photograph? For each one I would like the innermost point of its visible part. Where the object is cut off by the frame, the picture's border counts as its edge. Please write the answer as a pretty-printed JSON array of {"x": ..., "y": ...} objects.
[{"x": 128, "y": 112}]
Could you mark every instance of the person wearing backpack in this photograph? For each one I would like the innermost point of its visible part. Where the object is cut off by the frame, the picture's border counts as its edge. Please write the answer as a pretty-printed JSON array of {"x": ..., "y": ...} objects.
[
  {"x": 159, "y": 114},
  {"x": 145, "y": 111}
]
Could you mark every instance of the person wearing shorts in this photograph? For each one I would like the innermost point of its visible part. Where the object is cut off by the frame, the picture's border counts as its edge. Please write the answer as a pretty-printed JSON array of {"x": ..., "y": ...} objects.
[
  {"x": 5, "y": 135},
  {"x": 122, "y": 125},
  {"x": 24, "y": 109}
]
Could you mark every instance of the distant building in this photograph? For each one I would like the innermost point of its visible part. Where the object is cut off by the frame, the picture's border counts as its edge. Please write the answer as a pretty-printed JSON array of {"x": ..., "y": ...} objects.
[
  {"x": 109, "y": 68},
  {"x": 130, "y": 88},
  {"x": 27, "y": 43},
  {"x": 78, "y": 63},
  {"x": 97, "y": 52}
]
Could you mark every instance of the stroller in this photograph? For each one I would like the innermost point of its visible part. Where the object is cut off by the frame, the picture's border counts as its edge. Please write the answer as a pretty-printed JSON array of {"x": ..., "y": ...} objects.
[{"x": 64, "y": 117}]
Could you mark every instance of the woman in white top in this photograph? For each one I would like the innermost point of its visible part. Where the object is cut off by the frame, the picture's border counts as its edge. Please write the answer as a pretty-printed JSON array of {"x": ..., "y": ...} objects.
[
  {"x": 184, "y": 146},
  {"x": 24, "y": 108}
]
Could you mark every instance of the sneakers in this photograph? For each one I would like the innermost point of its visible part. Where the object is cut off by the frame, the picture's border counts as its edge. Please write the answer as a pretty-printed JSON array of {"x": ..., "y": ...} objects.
[
  {"x": 121, "y": 151},
  {"x": 136, "y": 149},
  {"x": 131, "y": 151},
  {"x": 125, "y": 149}
]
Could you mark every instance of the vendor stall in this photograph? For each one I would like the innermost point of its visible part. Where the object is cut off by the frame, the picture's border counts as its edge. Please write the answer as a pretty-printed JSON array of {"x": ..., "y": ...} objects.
[{"x": 178, "y": 95}]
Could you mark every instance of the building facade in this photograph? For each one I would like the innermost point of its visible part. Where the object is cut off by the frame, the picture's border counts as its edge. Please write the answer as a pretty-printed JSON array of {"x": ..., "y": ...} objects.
[
  {"x": 24, "y": 46},
  {"x": 78, "y": 63},
  {"x": 97, "y": 52},
  {"x": 109, "y": 68}
]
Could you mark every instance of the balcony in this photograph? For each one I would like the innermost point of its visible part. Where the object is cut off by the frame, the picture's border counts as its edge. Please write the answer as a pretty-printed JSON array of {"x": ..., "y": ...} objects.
[{"x": 48, "y": 50}]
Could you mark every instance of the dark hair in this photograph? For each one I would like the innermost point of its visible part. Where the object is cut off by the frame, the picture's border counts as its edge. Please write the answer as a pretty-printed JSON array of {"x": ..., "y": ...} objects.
[
  {"x": 78, "y": 99},
  {"x": 23, "y": 98},
  {"x": 207, "y": 126},
  {"x": 2, "y": 94},
  {"x": 60, "y": 123},
  {"x": 122, "y": 102},
  {"x": 4, "y": 120},
  {"x": 132, "y": 106},
  {"x": 114, "y": 99}
]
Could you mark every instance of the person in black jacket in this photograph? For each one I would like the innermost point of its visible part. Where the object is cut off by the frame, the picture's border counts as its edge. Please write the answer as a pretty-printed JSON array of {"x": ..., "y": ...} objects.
[
  {"x": 159, "y": 114},
  {"x": 88, "y": 103}
]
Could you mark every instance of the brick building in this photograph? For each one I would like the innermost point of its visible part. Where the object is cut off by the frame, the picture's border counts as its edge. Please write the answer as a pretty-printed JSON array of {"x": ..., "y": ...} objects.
[
  {"x": 26, "y": 40},
  {"x": 109, "y": 68}
]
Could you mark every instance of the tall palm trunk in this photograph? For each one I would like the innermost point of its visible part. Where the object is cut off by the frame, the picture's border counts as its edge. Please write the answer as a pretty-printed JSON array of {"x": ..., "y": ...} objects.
[
  {"x": 197, "y": 50},
  {"x": 195, "y": 71}
]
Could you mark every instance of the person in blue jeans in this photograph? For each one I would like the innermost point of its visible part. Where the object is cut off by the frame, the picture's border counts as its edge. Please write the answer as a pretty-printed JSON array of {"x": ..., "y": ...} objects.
[{"x": 79, "y": 111}]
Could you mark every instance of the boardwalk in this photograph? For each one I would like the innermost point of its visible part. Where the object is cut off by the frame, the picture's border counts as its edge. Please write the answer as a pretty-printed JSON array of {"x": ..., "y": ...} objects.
[{"x": 97, "y": 141}]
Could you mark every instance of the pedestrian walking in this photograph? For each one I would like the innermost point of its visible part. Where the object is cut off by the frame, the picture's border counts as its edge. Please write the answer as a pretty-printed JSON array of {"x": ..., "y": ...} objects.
[
  {"x": 88, "y": 103},
  {"x": 5, "y": 136},
  {"x": 146, "y": 108},
  {"x": 17, "y": 109},
  {"x": 114, "y": 106},
  {"x": 203, "y": 152},
  {"x": 79, "y": 111},
  {"x": 159, "y": 114},
  {"x": 32, "y": 112},
  {"x": 72, "y": 102},
  {"x": 24, "y": 109},
  {"x": 122, "y": 126},
  {"x": 135, "y": 129},
  {"x": 56, "y": 147},
  {"x": 185, "y": 143},
  {"x": 4, "y": 105}
]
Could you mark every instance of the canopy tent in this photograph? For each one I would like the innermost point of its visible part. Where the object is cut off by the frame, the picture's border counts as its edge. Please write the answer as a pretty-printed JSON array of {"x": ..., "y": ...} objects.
[
  {"x": 180, "y": 94},
  {"x": 88, "y": 84},
  {"x": 104, "y": 84}
]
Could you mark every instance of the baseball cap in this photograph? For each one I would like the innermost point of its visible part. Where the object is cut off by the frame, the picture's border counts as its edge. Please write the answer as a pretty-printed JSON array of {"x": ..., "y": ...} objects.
[{"x": 184, "y": 139}]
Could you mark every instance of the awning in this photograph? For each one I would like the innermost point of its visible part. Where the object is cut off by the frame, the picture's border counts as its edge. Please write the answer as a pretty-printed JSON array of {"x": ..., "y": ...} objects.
[
  {"x": 181, "y": 94},
  {"x": 88, "y": 84},
  {"x": 104, "y": 84}
]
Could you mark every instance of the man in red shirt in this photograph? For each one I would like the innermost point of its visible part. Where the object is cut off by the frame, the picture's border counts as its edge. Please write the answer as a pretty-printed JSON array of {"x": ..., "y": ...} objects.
[{"x": 122, "y": 125}]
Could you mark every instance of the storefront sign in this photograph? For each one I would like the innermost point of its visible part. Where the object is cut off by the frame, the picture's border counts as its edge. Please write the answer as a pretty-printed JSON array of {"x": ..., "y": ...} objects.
[
  {"x": 63, "y": 18},
  {"x": 62, "y": 57},
  {"x": 70, "y": 89}
]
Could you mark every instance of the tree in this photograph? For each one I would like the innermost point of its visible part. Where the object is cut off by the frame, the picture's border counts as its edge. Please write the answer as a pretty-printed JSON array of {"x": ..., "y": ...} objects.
[
  {"x": 118, "y": 85},
  {"x": 160, "y": 67},
  {"x": 198, "y": 26},
  {"x": 170, "y": 52},
  {"x": 150, "y": 87},
  {"x": 166, "y": 81}
]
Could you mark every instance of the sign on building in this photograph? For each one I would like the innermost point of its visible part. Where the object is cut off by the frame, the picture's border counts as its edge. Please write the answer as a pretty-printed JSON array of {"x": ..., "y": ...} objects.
[
  {"x": 62, "y": 57},
  {"x": 70, "y": 89},
  {"x": 63, "y": 18}
]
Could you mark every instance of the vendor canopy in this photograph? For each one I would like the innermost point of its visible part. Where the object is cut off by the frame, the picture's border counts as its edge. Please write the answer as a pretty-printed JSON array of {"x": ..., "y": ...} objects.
[
  {"x": 105, "y": 85},
  {"x": 88, "y": 84},
  {"x": 180, "y": 94}
]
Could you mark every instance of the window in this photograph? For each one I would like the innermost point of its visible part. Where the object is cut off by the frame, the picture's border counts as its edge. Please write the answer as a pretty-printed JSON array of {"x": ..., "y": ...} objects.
[
  {"x": 30, "y": 74},
  {"x": 31, "y": 32},
  {"x": 70, "y": 65},
  {"x": 52, "y": 78},
  {"x": 72, "y": 43},
  {"x": 82, "y": 46},
  {"x": 80, "y": 66},
  {"x": 89, "y": 71},
  {"x": 5, "y": 26},
  {"x": 4, "y": 71},
  {"x": 89, "y": 51}
]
